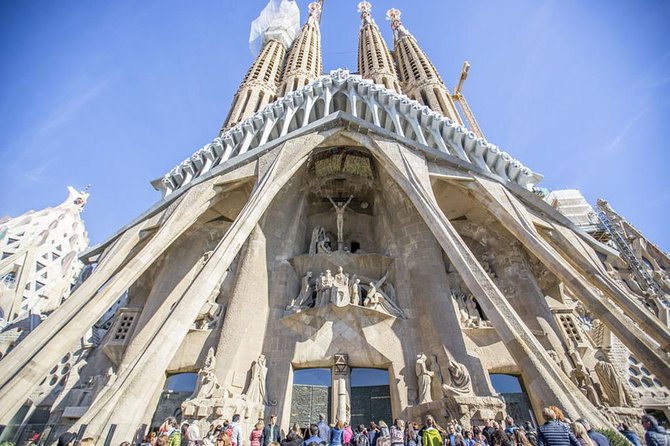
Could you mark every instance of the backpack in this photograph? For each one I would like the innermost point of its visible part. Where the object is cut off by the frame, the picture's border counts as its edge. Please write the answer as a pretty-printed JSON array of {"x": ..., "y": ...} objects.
[
  {"x": 224, "y": 438},
  {"x": 229, "y": 433},
  {"x": 432, "y": 437}
]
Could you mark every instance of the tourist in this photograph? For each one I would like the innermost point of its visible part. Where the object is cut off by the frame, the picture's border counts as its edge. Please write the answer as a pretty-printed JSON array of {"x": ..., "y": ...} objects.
[
  {"x": 531, "y": 434},
  {"x": 450, "y": 439},
  {"x": 630, "y": 435},
  {"x": 90, "y": 441},
  {"x": 553, "y": 432},
  {"x": 314, "y": 437},
  {"x": 324, "y": 429},
  {"x": 256, "y": 435},
  {"x": 520, "y": 438},
  {"x": 171, "y": 429},
  {"x": 194, "y": 437},
  {"x": 337, "y": 434},
  {"x": 398, "y": 433},
  {"x": 361, "y": 436},
  {"x": 598, "y": 438},
  {"x": 469, "y": 438},
  {"x": 151, "y": 438},
  {"x": 655, "y": 435},
  {"x": 412, "y": 434},
  {"x": 459, "y": 440},
  {"x": 509, "y": 426},
  {"x": 500, "y": 438},
  {"x": 560, "y": 417},
  {"x": 373, "y": 434},
  {"x": 271, "y": 432},
  {"x": 294, "y": 437},
  {"x": 348, "y": 434},
  {"x": 582, "y": 436},
  {"x": 478, "y": 437},
  {"x": 384, "y": 437},
  {"x": 488, "y": 431},
  {"x": 236, "y": 431},
  {"x": 184, "y": 433},
  {"x": 162, "y": 439},
  {"x": 431, "y": 436}
]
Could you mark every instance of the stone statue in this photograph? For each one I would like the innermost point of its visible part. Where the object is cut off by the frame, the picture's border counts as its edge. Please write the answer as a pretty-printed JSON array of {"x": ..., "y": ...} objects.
[
  {"x": 458, "y": 377},
  {"x": 208, "y": 384},
  {"x": 209, "y": 315},
  {"x": 305, "y": 290},
  {"x": 372, "y": 298},
  {"x": 611, "y": 385},
  {"x": 256, "y": 391},
  {"x": 582, "y": 379},
  {"x": 323, "y": 243},
  {"x": 339, "y": 211},
  {"x": 339, "y": 294},
  {"x": 355, "y": 292},
  {"x": 424, "y": 378}
]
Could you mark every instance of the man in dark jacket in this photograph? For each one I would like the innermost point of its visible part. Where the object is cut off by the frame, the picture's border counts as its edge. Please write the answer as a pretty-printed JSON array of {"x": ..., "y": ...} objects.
[
  {"x": 553, "y": 433},
  {"x": 655, "y": 435},
  {"x": 598, "y": 438},
  {"x": 271, "y": 431}
]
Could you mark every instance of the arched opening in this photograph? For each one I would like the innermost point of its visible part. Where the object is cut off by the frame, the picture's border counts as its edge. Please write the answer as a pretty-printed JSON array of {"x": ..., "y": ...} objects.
[
  {"x": 178, "y": 388},
  {"x": 513, "y": 393},
  {"x": 311, "y": 395},
  {"x": 370, "y": 396}
]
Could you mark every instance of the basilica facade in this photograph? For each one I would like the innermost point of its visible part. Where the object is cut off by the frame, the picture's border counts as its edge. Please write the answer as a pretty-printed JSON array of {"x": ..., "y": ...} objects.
[{"x": 348, "y": 221}]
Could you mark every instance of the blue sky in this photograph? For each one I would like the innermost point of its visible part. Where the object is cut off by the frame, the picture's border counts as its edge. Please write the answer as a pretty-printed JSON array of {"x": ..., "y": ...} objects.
[{"x": 116, "y": 93}]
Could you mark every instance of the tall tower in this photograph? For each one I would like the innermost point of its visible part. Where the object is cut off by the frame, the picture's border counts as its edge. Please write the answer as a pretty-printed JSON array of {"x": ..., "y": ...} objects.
[
  {"x": 304, "y": 63},
  {"x": 420, "y": 80},
  {"x": 374, "y": 58},
  {"x": 276, "y": 30}
]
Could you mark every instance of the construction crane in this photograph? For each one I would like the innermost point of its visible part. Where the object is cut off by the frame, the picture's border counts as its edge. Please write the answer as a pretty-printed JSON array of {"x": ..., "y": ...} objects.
[{"x": 458, "y": 97}]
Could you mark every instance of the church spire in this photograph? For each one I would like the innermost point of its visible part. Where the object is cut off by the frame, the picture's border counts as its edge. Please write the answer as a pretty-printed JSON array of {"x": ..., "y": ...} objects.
[
  {"x": 304, "y": 63},
  {"x": 374, "y": 59},
  {"x": 275, "y": 29},
  {"x": 418, "y": 75}
]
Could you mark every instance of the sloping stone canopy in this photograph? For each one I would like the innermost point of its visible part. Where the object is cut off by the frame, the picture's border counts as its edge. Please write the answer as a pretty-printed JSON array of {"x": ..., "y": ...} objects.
[{"x": 344, "y": 92}]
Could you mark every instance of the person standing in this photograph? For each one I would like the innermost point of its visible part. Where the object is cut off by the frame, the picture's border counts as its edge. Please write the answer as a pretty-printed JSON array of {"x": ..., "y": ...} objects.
[
  {"x": 553, "y": 432},
  {"x": 598, "y": 438},
  {"x": 629, "y": 434},
  {"x": 314, "y": 438},
  {"x": 324, "y": 429},
  {"x": 348, "y": 434},
  {"x": 337, "y": 434},
  {"x": 398, "y": 433},
  {"x": 431, "y": 436},
  {"x": 271, "y": 432},
  {"x": 237, "y": 438},
  {"x": 655, "y": 435}
]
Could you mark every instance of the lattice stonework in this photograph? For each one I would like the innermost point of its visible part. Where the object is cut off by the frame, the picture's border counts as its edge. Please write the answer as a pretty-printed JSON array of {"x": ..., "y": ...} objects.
[{"x": 570, "y": 327}]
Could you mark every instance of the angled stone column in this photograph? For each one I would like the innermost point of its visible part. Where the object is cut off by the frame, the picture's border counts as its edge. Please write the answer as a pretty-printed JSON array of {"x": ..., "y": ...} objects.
[
  {"x": 125, "y": 403},
  {"x": 545, "y": 384},
  {"x": 512, "y": 215}
]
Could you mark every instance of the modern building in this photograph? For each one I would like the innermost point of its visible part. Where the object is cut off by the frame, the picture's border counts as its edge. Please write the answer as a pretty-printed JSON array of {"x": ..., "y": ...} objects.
[{"x": 349, "y": 244}]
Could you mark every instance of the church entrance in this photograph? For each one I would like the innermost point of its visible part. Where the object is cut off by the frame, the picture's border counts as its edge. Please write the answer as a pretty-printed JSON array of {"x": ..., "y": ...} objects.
[
  {"x": 312, "y": 392},
  {"x": 370, "y": 396}
]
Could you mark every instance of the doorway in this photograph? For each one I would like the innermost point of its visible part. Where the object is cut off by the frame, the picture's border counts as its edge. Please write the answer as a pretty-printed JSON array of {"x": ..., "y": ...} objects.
[{"x": 370, "y": 396}]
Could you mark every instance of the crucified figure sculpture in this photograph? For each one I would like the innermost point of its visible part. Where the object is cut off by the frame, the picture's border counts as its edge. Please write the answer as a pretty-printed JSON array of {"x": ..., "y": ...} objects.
[{"x": 339, "y": 211}]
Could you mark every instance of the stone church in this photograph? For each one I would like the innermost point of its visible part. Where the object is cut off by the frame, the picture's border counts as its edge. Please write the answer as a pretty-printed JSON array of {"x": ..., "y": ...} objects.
[{"x": 341, "y": 222}]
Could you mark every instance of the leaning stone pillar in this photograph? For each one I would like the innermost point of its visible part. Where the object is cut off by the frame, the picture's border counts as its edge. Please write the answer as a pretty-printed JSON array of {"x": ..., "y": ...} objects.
[
  {"x": 545, "y": 384},
  {"x": 124, "y": 403},
  {"x": 513, "y": 217}
]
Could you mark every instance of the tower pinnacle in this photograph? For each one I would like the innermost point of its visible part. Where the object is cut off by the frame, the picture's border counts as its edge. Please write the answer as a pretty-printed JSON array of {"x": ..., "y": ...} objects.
[
  {"x": 303, "y": 63},
  {"x": 419, "y": 78},
  {"x": 374, "y": 59}
]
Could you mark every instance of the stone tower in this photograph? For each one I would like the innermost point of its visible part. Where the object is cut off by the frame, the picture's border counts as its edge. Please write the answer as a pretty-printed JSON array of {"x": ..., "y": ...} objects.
[
  {"x": 374, "y": 59},
  {"x": 343, "y": 226}
]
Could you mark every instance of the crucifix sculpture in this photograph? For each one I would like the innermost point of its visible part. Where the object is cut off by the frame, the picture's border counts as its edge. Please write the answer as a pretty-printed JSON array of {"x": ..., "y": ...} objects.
[{"x": 340, "y": 206}]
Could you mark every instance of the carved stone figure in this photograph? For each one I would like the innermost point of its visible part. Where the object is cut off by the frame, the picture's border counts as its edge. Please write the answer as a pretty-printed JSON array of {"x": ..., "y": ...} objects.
[
  {"x": 355, "y": 292},
  {"x": 372, "y": 298},
  {"x": 611, "y": 384},
  {"x": 339, "y": 212},
  {"x": 339, "y": 294},
  {"x": 424, "y": 378},
  {"x": 323, "y": 244},
  {"x": 305, "y": 290},
  {"x": 209, "y": 315},
  {"x": 208, "y": 384},
  {"x": 581, "y": 377},
  {"x": 256, "y": 391},
  {"x": 459, "y": 382}
]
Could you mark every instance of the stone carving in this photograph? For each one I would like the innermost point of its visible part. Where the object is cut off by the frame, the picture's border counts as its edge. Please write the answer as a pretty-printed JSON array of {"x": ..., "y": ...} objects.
[
  {"x": 424, "y": 378},
  {"x": 470, "y": 314},
  {"x": 339, "y": 212},
  {"x": 484, "y": 261},
  {"x": 582, "y": 378},
  {"x": 458, "y": 378},
  {"x": 559, "y": 362},
  {"x": 208, "y": 385},
  {"x": 343, "y": 409},
  {"x": 342, "y": 290},
  {"x": 339, "y": 294},
  {"x": 611, "y": 385},
  {"x": 320, "y": 242},
  {"x": 209, "y": 315},
  {"x": 256, "y": 392}
]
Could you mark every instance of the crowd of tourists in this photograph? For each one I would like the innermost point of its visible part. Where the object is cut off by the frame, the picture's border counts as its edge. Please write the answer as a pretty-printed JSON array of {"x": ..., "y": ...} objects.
[{"x": 557, "y": 430}]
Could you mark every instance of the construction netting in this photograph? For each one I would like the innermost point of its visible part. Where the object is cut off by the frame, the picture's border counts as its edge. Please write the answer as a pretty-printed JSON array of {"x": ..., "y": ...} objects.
[{"x": 281, "y": 17}]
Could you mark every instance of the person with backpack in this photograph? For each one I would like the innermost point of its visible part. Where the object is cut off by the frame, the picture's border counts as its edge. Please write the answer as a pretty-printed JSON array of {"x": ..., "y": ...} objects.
[
  {"x": 655, "y": 435},
  {"x": 314, "y": 438},
  {"x": 173, "y": 432},
  {"x": 361, "y": 436}
]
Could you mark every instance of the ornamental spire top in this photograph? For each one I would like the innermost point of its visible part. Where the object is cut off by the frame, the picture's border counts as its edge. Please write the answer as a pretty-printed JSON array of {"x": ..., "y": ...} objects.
[
  {"x": 364, "y": 8},
  {"x": 314, "y": 9},
  {"x": 393, "y": 15}
]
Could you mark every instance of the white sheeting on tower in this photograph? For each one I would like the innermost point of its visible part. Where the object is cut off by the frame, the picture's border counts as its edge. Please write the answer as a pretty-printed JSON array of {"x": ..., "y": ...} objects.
[{"x": 279, "y": 20}]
